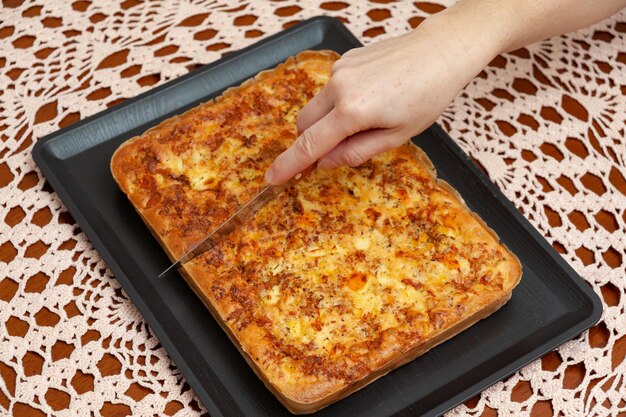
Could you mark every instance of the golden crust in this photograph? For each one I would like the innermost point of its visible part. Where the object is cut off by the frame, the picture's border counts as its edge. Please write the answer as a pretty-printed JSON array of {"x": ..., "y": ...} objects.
[{"x": 341, "y": 278}]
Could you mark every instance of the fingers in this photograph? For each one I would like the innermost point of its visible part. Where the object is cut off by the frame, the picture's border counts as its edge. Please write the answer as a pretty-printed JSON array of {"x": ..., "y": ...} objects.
[
  {"x": 361, "y": 147},
  {"x": 312, "y": 144},
  {"x": 315, "y": 109}
]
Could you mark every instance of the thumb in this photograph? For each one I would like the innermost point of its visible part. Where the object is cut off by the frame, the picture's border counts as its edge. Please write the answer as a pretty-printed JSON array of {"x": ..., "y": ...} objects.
[{"x": 314, "y": 142}]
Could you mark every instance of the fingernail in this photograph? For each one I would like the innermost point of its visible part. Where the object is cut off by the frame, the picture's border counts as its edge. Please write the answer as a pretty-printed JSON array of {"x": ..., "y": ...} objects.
[{"x": 269, "y": 175}]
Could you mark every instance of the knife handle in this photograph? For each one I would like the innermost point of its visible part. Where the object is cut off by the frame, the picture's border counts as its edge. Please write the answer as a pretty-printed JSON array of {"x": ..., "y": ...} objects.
[{"x": 302, "y": 174}]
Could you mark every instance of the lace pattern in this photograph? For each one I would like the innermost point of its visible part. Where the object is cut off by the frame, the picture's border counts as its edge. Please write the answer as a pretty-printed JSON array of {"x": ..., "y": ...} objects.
[{"x": 546, "y": 122}]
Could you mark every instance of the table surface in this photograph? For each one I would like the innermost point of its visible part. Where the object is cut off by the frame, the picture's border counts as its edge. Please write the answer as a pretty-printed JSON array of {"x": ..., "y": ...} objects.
[{"x": 546, "y": 123}]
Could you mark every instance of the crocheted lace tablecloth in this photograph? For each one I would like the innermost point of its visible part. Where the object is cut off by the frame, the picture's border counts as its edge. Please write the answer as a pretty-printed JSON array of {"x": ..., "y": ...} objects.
[{"x": 546, "y": 122}]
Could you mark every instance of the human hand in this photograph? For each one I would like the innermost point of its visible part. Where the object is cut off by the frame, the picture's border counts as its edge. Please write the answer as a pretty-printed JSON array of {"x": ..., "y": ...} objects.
[{"x": 381, "y": 95}]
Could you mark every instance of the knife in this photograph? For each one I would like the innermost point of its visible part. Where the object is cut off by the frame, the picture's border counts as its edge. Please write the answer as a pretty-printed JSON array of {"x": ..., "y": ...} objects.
[{"x": 248, "y": 210}]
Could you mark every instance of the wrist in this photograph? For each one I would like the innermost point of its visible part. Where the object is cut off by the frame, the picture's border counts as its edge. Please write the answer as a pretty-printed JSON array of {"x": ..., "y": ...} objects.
[{"x": 481, "y": 29}]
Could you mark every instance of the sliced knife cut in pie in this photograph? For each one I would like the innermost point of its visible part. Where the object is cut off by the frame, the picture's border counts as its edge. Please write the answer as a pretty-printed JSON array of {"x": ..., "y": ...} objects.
[{"x": 340, "y": 279}]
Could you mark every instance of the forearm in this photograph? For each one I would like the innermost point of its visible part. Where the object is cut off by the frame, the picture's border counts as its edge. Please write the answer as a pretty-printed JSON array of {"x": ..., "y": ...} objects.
[
  {"x": 542, "y": 19},
  {"x": 512, "y": 24}
]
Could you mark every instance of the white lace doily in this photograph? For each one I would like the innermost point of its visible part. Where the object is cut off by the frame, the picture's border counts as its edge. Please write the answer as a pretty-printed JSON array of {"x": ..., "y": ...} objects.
[{"x": 546, "y": 122}]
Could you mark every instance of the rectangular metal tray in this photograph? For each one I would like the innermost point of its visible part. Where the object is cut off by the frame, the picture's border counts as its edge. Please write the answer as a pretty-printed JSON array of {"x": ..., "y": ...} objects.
[{"x": 551, "y": 304}]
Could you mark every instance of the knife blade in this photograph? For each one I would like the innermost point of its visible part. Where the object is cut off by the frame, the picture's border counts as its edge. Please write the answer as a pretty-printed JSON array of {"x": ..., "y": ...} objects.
[{"x": 245, "y": 212}]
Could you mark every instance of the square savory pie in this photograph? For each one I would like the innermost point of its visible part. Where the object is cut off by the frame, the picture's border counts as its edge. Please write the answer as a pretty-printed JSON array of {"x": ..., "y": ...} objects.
[{"x": 343, "y": 277}]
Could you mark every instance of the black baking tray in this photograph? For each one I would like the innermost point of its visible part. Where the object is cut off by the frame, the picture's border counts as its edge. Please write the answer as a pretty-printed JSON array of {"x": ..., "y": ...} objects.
[{"x": 551, "y": 304}]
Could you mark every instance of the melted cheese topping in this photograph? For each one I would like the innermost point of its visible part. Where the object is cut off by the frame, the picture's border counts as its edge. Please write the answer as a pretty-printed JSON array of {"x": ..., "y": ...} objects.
[
  {"x": 339, "y": 274},
  {"x": 333, "y": 275}
]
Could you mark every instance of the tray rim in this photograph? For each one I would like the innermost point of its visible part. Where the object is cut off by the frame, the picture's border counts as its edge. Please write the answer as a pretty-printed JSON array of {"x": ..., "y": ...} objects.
[{"x": 41, "y": 159}]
